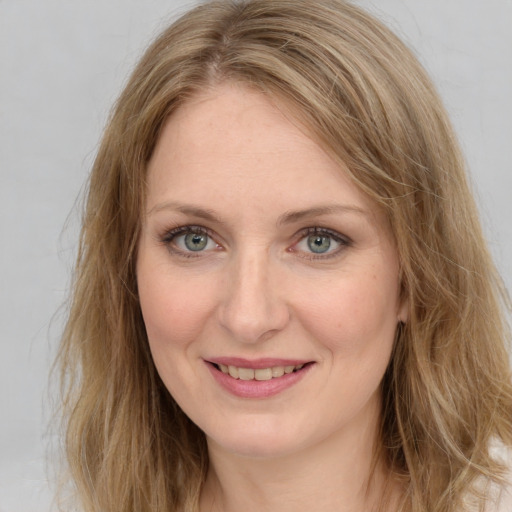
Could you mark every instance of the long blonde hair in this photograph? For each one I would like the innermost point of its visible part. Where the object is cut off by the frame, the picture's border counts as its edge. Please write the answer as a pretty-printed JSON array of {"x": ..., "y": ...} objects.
[{"x": 364, "y": 97}]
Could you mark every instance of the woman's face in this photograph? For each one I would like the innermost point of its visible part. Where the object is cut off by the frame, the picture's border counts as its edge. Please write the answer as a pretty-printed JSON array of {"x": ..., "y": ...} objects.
[{"x": 268, "y": 282}]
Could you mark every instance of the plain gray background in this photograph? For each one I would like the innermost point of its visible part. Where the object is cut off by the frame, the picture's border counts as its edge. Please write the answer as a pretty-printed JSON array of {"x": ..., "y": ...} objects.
[{"x": 62, "y": 64}]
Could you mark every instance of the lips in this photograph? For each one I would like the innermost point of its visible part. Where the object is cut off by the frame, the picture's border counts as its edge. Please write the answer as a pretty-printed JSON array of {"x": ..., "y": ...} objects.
[
  {"x": 272, "y": 372},
  {"x": 260, "y": 378}
]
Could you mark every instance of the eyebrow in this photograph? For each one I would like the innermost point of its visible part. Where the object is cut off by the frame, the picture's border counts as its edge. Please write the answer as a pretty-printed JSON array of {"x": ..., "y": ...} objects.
[
  {"x": 288, "y": 217},
  {"x": 295, "y": 216},
  {"x": 187, "y": 209}
]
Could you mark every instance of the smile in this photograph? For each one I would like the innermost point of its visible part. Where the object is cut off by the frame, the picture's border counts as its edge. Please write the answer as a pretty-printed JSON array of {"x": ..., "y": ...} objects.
[
  {"x": 258, "y": 373},
  {"x": 257, "y": 379}
]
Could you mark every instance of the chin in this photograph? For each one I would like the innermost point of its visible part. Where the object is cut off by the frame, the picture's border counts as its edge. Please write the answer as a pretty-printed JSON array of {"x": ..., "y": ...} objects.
[
  {"x": 262, "y": 448},
  {"x": 259, "y": 440}
]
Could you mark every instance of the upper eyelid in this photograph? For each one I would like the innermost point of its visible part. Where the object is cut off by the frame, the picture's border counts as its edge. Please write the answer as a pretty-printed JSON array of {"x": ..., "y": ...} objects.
[
  {"x": 169, "y": 234},
  {"x": 324, "y": 231}
]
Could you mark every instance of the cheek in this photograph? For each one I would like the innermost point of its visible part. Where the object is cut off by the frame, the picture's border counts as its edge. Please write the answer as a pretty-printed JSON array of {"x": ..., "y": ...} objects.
[
  {"x": 174, "y": 310},
  {"x": 353, "y": 317},
  {"x": 174, "y": 315}
]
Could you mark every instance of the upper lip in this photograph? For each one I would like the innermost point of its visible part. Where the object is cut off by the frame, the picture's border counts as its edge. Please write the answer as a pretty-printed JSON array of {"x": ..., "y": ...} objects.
[{"x": 265, "y": 362}]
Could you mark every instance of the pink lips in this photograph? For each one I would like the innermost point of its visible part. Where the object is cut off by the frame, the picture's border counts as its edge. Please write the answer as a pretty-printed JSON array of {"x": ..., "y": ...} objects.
[
  {"x": 256, "y": 388},
  {"x": 256, "y": 363}
]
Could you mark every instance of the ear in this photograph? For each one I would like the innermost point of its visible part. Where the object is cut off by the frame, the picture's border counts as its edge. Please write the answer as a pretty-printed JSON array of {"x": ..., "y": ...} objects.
[{"x": 403, "y": 310}]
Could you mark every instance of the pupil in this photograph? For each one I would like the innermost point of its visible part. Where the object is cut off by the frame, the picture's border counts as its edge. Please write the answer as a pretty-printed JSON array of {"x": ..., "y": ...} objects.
[
  {"x": 195, "y": 241},
  {"x": 319, "y": 244}
]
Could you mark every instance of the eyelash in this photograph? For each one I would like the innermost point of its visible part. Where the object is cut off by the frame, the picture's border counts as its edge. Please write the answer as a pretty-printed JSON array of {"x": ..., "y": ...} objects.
[
  {"x": 169, "y": 237},
  {"x": 342, "y": 240}
]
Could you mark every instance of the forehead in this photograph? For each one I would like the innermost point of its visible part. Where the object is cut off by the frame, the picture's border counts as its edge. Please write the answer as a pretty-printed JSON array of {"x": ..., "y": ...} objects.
[
  {"x": 232, "y": 145},
  {"x": 233, "y": 119}
]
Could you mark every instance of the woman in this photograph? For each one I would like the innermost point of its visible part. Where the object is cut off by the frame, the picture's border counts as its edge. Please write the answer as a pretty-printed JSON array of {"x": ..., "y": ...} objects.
[{"x": 283, "y": 298}]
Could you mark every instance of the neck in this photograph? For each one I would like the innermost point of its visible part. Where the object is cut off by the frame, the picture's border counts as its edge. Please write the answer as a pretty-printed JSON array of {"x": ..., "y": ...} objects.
[{"x": 341, "y": 473}]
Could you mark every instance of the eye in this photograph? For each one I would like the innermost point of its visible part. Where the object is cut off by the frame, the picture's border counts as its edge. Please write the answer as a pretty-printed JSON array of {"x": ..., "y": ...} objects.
[
  {"x": 189, "y": 239},
  {"x": 195, "y": 241},
  {"x": 319, "y": 242}
]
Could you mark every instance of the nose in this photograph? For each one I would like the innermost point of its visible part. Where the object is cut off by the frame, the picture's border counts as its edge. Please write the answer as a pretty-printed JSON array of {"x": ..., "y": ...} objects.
[{"x": 253, "y": 307}]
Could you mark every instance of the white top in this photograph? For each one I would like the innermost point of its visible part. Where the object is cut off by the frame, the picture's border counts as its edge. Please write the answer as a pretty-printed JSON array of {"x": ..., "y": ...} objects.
[
  {"x": 504, "y": 502},
  {"x": 501, "y": 498}
]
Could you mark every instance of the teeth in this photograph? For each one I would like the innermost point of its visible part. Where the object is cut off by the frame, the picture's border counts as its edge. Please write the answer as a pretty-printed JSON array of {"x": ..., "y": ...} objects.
[
  {"x": 245, "y": 373},
  {"x": 233, "y": 371},
  {"x": 263, "y": 374},
  {"x": 277, "y": 371},
  {"x": 258, "y": 374}
]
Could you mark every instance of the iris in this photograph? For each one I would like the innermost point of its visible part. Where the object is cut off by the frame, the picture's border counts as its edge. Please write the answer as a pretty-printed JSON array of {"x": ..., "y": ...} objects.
[
  {"x": 319, "y": 244},
  {"x": 196, "y": 241}
]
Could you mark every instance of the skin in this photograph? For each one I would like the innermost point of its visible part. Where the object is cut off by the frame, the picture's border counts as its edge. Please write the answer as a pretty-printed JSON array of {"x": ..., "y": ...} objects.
[{"x": 231, "y": 162}]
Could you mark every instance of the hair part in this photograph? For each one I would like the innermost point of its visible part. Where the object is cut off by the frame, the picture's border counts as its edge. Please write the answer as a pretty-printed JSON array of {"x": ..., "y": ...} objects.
[{"x": 365, "y": 98}]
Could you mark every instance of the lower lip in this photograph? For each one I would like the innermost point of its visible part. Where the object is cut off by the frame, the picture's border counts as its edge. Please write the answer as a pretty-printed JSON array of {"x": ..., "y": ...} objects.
[{"x": 257, "y": 388}]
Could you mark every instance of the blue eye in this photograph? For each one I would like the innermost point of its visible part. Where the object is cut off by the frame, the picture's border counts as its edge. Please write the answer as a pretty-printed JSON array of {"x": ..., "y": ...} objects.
[
  {"x": 189, "y": 239},
  {"x": 319, "y": 244},
  {"x": 195, "y": 241}
]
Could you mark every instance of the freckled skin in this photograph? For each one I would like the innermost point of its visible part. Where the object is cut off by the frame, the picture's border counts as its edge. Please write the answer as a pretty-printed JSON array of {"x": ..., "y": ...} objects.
[{"x": 256, "y": 291}]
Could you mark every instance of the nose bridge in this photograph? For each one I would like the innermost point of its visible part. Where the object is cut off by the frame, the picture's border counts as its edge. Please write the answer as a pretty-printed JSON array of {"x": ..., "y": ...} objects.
[{"x": 253, "y": 308}]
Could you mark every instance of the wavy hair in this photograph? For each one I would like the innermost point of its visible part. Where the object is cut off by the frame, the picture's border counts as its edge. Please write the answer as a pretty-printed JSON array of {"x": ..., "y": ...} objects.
[{"x": 365, "y": 98}]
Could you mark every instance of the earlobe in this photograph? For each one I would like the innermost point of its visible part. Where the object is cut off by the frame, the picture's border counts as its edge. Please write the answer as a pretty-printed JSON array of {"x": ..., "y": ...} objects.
[
  {"x": 403, "y": 313},
  {"x": 403, "y": 310}
]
